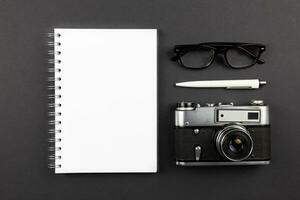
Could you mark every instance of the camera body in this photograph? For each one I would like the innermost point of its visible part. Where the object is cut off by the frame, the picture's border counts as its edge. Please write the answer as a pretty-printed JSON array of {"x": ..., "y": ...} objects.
[{"x": 222, "y": 134}]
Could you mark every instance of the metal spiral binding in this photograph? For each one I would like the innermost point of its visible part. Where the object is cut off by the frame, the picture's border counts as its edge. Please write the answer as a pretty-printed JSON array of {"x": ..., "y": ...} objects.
[
  {"x": 52, "y": 87},
  {"x": 54, "y": 157},
  {"x": 53, "y": 122},
  {"x": 51, "y": 35},
  {"x": 54, "y": 148},
  {"x": 53, "y": 61},
  {"x": 53, "y": 69},
  {"x": 54, "y": 131},
  {"x": 54, "y": 140},
  {"x": 50, "y": 79},
  {"x": 54, "y": 105},
  {"x": 53, "y": 96},
  {"x": 52, "y": 114},
  {"x": 52, "y": 52},
  {"x": 54, "y": 101},
  {"x": 53, "y": 166}
]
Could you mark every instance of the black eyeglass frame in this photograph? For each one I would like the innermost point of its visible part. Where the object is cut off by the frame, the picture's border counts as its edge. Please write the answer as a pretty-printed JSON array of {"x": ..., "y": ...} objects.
[{"x": 218, "y": 48}]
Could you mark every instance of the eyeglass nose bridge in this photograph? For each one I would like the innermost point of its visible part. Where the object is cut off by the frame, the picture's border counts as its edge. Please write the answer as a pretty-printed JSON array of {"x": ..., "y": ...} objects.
[{"x": 220, "y": 51}]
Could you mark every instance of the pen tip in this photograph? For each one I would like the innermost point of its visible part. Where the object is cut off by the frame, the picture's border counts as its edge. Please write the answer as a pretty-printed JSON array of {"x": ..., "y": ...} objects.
[{"x": 262, "y": 82}]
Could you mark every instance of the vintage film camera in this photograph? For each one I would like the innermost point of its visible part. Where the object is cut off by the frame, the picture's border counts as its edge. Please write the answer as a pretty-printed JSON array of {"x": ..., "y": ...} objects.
[{"x": 222, "y": 134}]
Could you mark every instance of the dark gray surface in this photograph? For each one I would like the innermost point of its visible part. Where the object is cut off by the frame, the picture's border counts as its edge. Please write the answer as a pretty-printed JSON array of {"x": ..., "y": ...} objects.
[{"x": 23, "y": 134}]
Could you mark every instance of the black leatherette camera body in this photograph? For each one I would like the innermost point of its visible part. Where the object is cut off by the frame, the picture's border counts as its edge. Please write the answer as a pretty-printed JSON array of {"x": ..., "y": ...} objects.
[{"x": 186, "y": 140}]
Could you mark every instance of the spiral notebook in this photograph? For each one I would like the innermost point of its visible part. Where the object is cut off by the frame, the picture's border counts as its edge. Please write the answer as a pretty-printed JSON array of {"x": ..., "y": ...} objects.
[{"x": 104, "y": 104}]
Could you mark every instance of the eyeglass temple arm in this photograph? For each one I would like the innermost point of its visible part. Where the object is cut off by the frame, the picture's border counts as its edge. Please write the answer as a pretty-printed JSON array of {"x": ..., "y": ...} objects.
[{"x": 259, "y": 61}]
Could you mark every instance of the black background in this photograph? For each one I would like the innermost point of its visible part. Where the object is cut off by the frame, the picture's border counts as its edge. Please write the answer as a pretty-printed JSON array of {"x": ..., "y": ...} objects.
[{"x": 23, "y": 115}]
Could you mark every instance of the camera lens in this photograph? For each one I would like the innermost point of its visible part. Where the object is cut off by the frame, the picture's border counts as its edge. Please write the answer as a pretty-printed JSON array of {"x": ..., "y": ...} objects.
[{"x": 234, "y": 143}]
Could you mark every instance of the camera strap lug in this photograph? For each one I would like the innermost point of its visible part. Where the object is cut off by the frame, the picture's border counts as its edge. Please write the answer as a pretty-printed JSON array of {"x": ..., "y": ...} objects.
[{"x": 197, "y": 153}]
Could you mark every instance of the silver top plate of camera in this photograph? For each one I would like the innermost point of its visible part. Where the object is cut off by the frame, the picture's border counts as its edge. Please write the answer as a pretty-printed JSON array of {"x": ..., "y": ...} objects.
[{"x": 190, "y": 114}]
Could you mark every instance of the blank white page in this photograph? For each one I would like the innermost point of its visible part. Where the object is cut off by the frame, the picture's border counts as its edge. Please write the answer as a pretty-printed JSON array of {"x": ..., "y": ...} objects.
[{"x": 108, "y": 100}]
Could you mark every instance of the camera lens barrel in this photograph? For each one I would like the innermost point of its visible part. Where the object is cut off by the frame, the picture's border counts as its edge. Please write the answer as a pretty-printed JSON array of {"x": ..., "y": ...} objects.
[{"x": 234, "y": 142}]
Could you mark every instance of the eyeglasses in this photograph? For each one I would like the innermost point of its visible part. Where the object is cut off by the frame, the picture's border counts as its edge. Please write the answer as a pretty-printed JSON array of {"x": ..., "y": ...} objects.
[{"x": 237, "y": 55}]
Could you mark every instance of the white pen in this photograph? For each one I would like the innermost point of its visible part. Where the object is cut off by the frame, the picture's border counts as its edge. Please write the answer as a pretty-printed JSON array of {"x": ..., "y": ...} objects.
[{"x": 227, "y": 84}]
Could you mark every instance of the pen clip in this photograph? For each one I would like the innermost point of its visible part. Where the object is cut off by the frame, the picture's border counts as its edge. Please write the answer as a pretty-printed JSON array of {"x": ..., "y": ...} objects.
[{"x": 239, "y": 88}]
